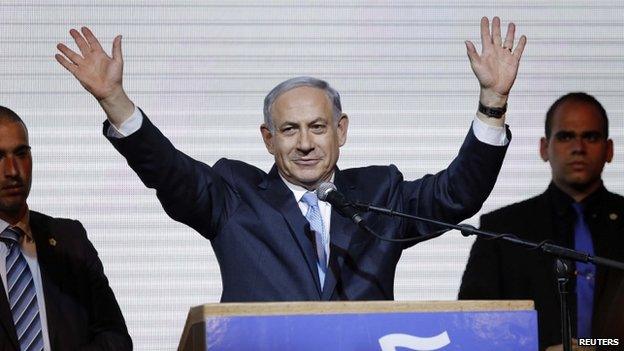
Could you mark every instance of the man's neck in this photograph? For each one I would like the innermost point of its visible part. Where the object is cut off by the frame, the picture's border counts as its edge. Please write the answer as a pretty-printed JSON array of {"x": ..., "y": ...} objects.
[
  {"x": 12, "y": 217},
  {"x": 579, "y": 194},
  {"x": 305, "y": 187}
]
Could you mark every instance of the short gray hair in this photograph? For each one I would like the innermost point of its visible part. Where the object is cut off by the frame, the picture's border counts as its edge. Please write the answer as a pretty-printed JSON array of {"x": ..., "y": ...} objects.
[{"x": 296, "y": 82}]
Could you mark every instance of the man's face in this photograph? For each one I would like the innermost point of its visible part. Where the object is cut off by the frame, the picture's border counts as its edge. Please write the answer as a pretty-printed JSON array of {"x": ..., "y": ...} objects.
[
  {"x": 306, "y": 141},
  {"x": 577, "y": 148},
  {"x": 15, "y": 170}
]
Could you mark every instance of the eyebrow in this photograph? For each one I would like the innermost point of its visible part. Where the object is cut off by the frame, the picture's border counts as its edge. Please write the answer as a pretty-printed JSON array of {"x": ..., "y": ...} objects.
[
  {"x": 585, "y": 133},
  {"x": 287, "y": 124},
  {"x": 23, "y": 147},
  {"x": 291, "y": 123}
]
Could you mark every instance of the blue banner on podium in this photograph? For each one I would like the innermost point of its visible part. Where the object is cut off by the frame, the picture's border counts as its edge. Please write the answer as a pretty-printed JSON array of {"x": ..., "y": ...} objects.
[{"x": 483, "y": 331}]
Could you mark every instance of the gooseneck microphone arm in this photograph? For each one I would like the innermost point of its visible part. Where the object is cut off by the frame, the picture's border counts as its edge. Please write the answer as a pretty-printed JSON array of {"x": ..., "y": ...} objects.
[
  {"x": 467, "y": 230},
  {"x": 329, "y": 193}
]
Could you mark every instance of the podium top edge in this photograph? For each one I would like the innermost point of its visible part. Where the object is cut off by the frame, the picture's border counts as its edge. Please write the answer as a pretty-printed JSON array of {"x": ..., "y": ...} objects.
[
  {"x": 199, "y": 314},
  {"x": 340, "y": 307}
]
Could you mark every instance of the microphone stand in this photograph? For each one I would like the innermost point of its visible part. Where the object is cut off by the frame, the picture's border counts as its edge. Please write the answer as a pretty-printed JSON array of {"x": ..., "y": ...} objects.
[
  {"x": 563, "y": 254},
  {"x": 564, "y": 272}
]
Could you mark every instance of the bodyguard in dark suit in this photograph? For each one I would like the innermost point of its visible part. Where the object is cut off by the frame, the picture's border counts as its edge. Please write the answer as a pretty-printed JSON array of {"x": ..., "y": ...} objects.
[
  {"x": 273, "y": 239},
  {"x": 54, "y": 295},
  {"x": 577, "y": 146}
]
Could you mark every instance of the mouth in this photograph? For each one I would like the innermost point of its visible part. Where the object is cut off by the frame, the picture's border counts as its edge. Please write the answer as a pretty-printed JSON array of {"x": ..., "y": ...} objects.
[
  {"x": 306, "y": 161},
  {"x": 577, "y": 165},
  {"x": 13, "y": 189}
]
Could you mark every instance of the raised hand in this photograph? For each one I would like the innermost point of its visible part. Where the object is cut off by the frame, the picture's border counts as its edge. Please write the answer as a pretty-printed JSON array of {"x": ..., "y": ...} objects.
[
  {"x": 100, "y": 74},
  {"x": 497, "y": 66}
]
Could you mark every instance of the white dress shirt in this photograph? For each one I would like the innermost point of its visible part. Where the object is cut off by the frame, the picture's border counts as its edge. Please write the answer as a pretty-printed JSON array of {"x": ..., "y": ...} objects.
[{"x": 324, "y": 207}]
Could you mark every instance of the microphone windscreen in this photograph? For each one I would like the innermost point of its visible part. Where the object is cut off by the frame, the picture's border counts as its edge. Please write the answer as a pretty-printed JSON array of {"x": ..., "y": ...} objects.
[{"x": 324, "y": 189}]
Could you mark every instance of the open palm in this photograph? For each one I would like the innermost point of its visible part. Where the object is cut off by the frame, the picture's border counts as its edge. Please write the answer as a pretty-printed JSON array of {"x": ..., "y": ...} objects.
[
  {"x": 99, "y": 73},
  {"x": 497, "y": 66}
]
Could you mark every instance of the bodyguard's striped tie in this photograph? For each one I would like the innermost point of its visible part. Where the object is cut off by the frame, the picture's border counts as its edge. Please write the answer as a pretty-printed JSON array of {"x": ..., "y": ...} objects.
[{"x": 22, "y": 294}]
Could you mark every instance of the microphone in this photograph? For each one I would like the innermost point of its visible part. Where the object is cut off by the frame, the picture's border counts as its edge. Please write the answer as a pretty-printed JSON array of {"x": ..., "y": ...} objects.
[{"x": 329, "y": 193}]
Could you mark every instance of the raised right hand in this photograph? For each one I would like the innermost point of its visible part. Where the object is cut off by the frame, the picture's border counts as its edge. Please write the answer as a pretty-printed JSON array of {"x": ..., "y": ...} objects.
[{"x": 100, "y": 74}]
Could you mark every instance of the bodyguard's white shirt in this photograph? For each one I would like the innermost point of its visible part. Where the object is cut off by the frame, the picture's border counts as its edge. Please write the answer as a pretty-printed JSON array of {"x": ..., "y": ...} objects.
[{"x": 29, "y": 250}]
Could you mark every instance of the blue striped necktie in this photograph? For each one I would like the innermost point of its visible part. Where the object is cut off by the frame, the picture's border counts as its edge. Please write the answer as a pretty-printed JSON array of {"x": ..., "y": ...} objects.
[
  {"x": 585, "y": 275},
  {"x": 22, "y": 294},
  {"x": 316, "y": 223}
]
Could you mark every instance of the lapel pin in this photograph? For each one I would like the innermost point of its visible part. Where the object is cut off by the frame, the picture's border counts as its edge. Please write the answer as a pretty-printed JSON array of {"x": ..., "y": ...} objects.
[
  {"x": 613, "y": 216},
  {"x": 52, "y": 242}
]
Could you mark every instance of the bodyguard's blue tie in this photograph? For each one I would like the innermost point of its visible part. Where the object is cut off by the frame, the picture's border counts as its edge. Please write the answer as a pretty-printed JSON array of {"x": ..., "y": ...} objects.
[
  {"x": 316, "y": 223},
  {"x": 22, "y": 294},
  {"x": 585, "y": 275}
]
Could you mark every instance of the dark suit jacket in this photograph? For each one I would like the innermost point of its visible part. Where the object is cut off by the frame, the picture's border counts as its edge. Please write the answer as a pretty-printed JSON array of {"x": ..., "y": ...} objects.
[
  {"x": 501, "y": 270},
  {"x": 81, "y": 309},
  {"x": 262, "y": 241}
]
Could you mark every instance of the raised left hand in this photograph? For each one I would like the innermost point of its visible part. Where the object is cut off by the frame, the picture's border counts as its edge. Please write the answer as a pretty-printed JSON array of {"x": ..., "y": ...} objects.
[{"x": 497, "y": 66}]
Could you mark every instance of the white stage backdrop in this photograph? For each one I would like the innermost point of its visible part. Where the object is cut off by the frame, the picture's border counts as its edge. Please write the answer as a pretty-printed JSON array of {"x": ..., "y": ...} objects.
[{"x": 200, "y": 70}]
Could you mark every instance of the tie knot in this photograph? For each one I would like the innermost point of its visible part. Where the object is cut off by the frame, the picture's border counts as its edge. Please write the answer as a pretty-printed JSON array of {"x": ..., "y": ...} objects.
[
  {"x": 578, "y": 208},
  {"x": 310, "y": 199},
  {"x": 10, "y": 236}
]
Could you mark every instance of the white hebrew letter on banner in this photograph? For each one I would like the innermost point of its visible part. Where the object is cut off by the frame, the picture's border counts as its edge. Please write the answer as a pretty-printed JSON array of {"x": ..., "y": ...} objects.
[{"x": 391, "y": 341}]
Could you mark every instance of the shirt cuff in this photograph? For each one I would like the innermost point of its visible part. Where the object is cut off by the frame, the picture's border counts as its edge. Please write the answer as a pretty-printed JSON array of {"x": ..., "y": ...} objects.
[
  {"x": 488, "y": 134},
  {"x": 128, "y": 127}
]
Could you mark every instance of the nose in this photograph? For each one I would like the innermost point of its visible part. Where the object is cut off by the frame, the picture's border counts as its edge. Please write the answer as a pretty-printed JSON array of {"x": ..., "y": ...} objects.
[
  {"x": 305, "y": 143},
  {"x": 578, "y": 145},
  {"x": 10, "y": 168}
]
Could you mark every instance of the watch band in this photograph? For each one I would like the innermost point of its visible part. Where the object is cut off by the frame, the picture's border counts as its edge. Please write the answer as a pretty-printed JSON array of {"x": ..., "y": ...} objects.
[{"x": 492, "y": 112}]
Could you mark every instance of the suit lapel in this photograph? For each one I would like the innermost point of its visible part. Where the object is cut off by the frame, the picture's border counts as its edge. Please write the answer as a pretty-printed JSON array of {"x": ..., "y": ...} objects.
[
  {"x": 607, "y": 238},
  {"x": 277, "y": 194},
  {"x": 49, "y": 267},
  {"x": 341, "y": 232},
  {"x": 545, "y": 228}
]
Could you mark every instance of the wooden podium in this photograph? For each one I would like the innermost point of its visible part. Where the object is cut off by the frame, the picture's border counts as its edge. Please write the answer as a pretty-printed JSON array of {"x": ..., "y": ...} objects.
[{"x": 371, "y": 325}]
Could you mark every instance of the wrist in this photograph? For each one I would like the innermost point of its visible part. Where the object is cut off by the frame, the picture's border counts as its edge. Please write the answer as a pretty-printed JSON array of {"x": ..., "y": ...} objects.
[
  {"x": 492, "y": 112},
  {"x": 117, "y": 106},
  {"x": 492, "y": 99}
]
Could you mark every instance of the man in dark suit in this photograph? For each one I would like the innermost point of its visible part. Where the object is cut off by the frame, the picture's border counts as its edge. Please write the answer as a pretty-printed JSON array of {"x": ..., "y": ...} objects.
[
  {"x": 577, "y": 146},
  {"x": 273, "y": 239},
  {"x": 55, "y": 295}
]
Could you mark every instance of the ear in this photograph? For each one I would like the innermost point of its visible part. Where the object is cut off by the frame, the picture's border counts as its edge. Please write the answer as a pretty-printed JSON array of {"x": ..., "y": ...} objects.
[
  {"x": 267, "y": 137},
  {"x": 609, "y": 150},
  {"x": 544, "y": 149},
  {"x": 341, "y": 129}
]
